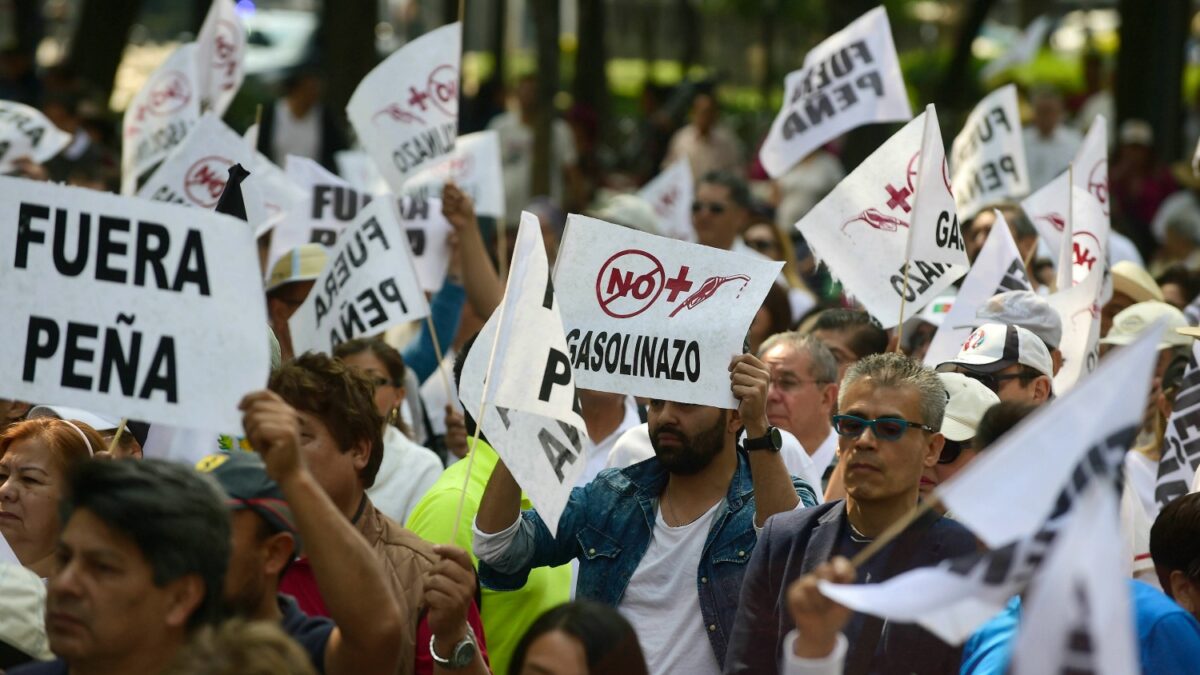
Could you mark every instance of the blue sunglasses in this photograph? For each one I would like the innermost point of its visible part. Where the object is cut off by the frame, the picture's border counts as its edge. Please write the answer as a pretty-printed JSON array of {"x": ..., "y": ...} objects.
[{"x": 884, "y": 428}]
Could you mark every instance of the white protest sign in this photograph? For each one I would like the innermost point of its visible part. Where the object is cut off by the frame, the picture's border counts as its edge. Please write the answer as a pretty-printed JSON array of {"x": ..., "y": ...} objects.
[
  {"x": 652, "y": 316},
  {"x": 368, "y": 285},
  {"x": 851, "y": 79},
  {"x": 997, "y": 268},
  {"x": 405, "y": 111},
  {"x": 195, "y": 172},
  {"x": 159, "y": 116},
  {"x": 358, "y": 169},
  {"x": 670, "y": 194},
  {"x": 25, "y": 132},
  {"x": 1079, "y": 309},
  {"x": 129, "y": 307},
  {"x": 933, "y": 234},
  {"x": 1023, "y": 50},
  {"x": 7, "y": 555},
  {"x": 279, "y": 194},
  {"x": 536, "y": 428},
  {"x": 989, "y": 154},
  {"x": 327, "y": 205},
  {"x": 220, "y": 56},
  {"x": 860, "y": 231},
  {"x": 1181, "y": 447},
  {"x": 474, "y": 167},
  {"x": 428, "y": 238}
]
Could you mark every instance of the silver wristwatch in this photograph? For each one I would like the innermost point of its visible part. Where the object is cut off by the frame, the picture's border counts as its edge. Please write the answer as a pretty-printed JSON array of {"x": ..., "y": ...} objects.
[{"x": 460, "y": 657}]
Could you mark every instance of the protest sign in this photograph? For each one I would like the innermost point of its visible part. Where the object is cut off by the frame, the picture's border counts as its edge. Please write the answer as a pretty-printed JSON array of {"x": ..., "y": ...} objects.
[
  {"x": 26, "y": 133},
  {"x": 933, "y": 233},
  {"x": 670, "y": 194},
  {"x": 368, "y": 285},
  {"x": 1077, "y": 616},
  {"x": 159, "y": 116},
  {"x": 220, "y": 53},
  {"x": 1079, "y": 309},
  {"x": 1022, "y": 51},
  {"x": 989, "y": 154},
  {"x": 129, "y": 307},
  {"x": 656, "y": 317},
  {"x": 1181, "y": 445},
  {"x": 358, "y": 169},
  {"x": 428, "y": 234},
  {"x": 327, "y": 206},
  {"x": 851, "y": 79},
  {"x": 537, "y": 430},
  {"x": 474, "y": 167},
  {"x": 278, "y": 193},
  {"x": 860, "y": 231},
  {"x": 405, "y": 111},
  {"x": 998, "y": 268},
  {"x": 195, "y": 172}
]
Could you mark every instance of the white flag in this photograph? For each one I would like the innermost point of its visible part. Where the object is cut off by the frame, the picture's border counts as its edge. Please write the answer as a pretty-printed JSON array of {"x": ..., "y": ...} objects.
[
  {"x": 474, "y": 167},
  {"x": 1079, "y": 309},
  {"x": 358, "y": 169},
  {"x": 998, "y": 268},
  {"x": 531, "y": 414},
  {"x": 989, "y": 154},
  {"x": 278, "y": 193},
  {"x": 656, "y": 317},
  {"x": 159, "y": 116},
  {"x": 327, "y": 206},
  {"x": 428, "y": 238},
  {"x": 220, "y": 56},
  {"x": 1053, "y": 441},
  {"x": 368, "y": 285},
  {"x": 1022, "y": 51},
  {"x": 860, "y": 231},
  {"x": 1077, "y": 616},
  {"x": 933, "y": 233},
  {"x": 405, "y": 111},
  {"x": 26, "y": 132},
  {"x": 851, "y": 79},
  {"x": 195, "y": 172},
  {"x": 1181, "y": 445},
  {"x": 670, "y": 194}
]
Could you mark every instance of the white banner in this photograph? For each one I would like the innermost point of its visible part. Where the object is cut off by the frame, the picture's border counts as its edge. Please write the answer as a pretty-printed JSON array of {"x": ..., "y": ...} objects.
[
  {"x": 327, "y": 206},
  {"x": 428, "y": 236},
  {"x": 368, "y": 285},
  {"x": 1079, "y": 309},
  {"x": 405, "y": 111},
  {"x": 526, "y": 336},
  {"x": 279, "y": 194},
  {"x": 358, "y": 169},
  {"x": 26, "y": 133},
  {"x": 195, "y": 172},
  {"x": 474, "y": 167},
  {"x": 998, "y": 268},
  {"x": 851, "y": 79},
  {"x": 1054, "y": 440},
  {"x": 670, "y": 194},
  {"x": 655, "y": 317},
  {"x": 129, "y": 308},
  {"x": 860, "y": 231},
  {"x": 220, "y": 56},
  {"x": 989, "y": 154},
  {"x": 159, "y": 116},
  {"x": 1181, "y": 445},
  {"x": 1077, "y": 617},
  {"x": 934, "y": 234},
  {"x": 1022, "y": 51}
]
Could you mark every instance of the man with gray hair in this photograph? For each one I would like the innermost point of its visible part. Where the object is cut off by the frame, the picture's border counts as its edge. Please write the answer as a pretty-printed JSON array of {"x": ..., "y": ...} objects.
[
  {"x": 890, "y": 411},
  {"x": 803, "y": 394}
]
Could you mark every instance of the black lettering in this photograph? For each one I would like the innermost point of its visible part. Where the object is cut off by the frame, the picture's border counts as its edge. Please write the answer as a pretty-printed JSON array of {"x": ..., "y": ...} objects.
[
  {"x": 558, "y": 454},
  {"x": 71, "y": 268},
  {"x": 371, "y": 307},
  {"x": 391, "y": 293},
  {"x": 151, "y": 254},
  {"x": 692, "y": 361},
  {"x": 112, "y": 358},
  {"x": 26, "y": 235},
  {"x": 106, "y": 247},
  {"x": 41, "y": 341},
  {"x": 680, "y": 346},
  {"x": 161, "y": 376},
  {"x": 73, "y": 352},
  {"x": 557, "y": 371},
  {"x": 192, "y": 268}
]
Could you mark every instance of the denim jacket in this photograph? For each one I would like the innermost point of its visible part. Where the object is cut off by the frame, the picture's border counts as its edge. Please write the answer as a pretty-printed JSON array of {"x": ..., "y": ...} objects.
[{"x": 607, "y": 525}]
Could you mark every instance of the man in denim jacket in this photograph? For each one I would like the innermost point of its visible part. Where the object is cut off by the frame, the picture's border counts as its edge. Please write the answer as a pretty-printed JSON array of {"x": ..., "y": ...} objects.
[{"x": 667, "y": 540}]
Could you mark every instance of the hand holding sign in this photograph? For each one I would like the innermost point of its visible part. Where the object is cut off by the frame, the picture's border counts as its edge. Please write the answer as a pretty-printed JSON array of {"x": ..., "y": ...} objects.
[
  {"x": 458, "y": 208},
  {"x": 748, "y": 379},
  {"x": 818, "y": 619},
  {"x": 273, "y": 429}
]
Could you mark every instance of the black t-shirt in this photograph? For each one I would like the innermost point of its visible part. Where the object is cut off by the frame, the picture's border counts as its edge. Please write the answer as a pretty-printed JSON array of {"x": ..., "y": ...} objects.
[{"x": 310, "y": 632}]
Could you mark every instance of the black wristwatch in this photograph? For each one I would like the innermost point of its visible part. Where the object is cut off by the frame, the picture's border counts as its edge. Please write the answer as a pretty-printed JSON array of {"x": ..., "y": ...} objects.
[
  {"x": 773, "y": 441},
  {"x": 460, "y": 657}
]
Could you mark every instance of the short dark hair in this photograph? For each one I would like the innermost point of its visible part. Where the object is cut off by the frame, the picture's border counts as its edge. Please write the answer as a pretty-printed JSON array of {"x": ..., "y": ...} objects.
[
  {"x": 343, "y": 399},
  {"x": 391, "y": 359},
  {"x": 866, "y": 335},
  {"x": 610, "y": 644},
  {"x": 998, "y": 420},
  {"x": 1175, "y": 540},
  {"x": 175, "y": 516},
  {"x": 739, "y": 192}
]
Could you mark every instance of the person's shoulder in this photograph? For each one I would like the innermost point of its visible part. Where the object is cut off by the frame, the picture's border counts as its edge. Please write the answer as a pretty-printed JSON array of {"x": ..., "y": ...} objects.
[
  {"x": 296, "y": 623},
  {"x": 952, "y": 535},
  {"x": 1156, "y": 612},
  {"x": 55, "y": 667},
  {"x": 402, "y": 542},
  {"x": 800, "y": 521}
]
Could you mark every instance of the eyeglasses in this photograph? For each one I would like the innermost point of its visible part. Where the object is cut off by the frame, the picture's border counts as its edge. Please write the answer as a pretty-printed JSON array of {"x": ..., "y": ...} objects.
[
  {"x": 884, "y": 428},
  {"x": 993, "y": 381},
  {"x": 788, "y": 384},
  {"x": 715, "y": 208},
  {"x": 761, "y": 245},
  {"x": 951, "y": 451}
]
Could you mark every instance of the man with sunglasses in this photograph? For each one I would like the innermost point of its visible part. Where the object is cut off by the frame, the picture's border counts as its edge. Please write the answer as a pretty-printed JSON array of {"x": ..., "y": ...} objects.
[
  {"x": 890, "y": 411},
  {"x": 721, "y": 211},
  {"x": 968, "y": 400},
  {"x": 1010, "y": 360}
]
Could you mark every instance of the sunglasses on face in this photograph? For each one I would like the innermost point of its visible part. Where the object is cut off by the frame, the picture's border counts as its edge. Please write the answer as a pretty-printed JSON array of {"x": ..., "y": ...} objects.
[
  {"x": 715, "y": 208},
  {"x": 761, "y": 245},
  {"x": 884, "y": 428},
  {"x": 993, "y": 381},
  {"x": 951, "y": 451}
]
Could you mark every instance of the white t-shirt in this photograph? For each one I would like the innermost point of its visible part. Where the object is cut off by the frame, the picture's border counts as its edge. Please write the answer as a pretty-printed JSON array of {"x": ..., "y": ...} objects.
[
  {"x": 296, "y": 136},
  {"x": 516, "y": 156},
  {"x": 405, "y": 475},
  {"x": 1048, "y": 157},
  {"x": 661, "y": 601},
  {"x": 824, "y": 455},
  {"x": 597, "y": 453}
]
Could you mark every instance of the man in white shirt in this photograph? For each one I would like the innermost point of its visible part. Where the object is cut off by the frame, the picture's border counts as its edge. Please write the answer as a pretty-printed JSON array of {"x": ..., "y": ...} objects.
[
  {"x": 707, "y": 145},
  {"x": 803, "y": 394},
  {"x": 1049, "y": 145},
  {"x": 607, "y": 416}
]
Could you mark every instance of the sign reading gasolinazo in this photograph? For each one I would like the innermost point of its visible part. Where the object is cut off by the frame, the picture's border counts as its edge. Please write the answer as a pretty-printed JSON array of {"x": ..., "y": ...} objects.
[
  {"x": 652, "y": 316},
  {"x": 128, "y": 307}
]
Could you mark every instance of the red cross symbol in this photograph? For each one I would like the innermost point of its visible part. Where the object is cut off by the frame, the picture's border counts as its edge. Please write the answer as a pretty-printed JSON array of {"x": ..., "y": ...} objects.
[
  {"x": 898, "y": 198},
  {"x": 417, "y": 98},
  {"x": 679, "y": 284}
]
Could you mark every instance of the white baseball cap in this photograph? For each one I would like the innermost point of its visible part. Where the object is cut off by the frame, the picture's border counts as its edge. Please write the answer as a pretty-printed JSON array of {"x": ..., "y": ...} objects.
[
  {"x": 62, "y": 412},
  {"x": 1132, "y": 321},
  {"x": 967, "y": 400},
  {"x": 22, "y": 623},
  {"x": 1025, "y": 309},
  {"x": 996, "y": 346}
]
